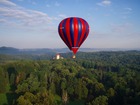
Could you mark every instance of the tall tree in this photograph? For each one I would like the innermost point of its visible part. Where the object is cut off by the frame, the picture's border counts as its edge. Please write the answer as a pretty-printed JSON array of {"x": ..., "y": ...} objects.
[{"x": 64, "y": 97}]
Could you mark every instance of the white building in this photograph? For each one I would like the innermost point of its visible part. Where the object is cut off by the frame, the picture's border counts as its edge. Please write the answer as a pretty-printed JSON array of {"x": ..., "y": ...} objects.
[{"x": 58, "y": 57}]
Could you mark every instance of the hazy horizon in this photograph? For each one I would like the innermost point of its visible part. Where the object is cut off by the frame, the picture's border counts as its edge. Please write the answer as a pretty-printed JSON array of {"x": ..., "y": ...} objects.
[
  {"x": 34, "y": 23},
  {"x": 68, "y": 48}
]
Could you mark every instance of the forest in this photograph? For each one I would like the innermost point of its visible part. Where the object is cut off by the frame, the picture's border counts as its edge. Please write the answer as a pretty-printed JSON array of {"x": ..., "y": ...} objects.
[{"x": 93, "y": 78}]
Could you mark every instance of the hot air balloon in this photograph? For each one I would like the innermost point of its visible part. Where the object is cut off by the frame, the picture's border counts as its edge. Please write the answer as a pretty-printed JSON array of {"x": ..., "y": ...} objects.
[{"x": 73, "y": 31}]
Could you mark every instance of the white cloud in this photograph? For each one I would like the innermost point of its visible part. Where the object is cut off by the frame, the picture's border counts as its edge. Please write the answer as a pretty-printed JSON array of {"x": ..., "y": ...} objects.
[
  {"x": 7, "y": 3},
  {"x": 104, "y": 3},
  {"x": 3, "y": 21},
  {"x": 13, "y": 13},
  {"x": 62, "y": 16},
  {"x": 129, "y": 9},
  {"x": 126, "y": 12},
  {"x": 28, "y": 17}
]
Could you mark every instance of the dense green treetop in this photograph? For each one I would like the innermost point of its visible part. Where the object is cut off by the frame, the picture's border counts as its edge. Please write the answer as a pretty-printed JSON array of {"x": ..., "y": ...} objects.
[{"x": 98, "y": 78}]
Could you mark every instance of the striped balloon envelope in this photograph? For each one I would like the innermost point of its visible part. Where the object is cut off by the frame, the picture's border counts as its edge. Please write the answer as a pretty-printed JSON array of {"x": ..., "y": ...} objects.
[{"x": 73, "y": 31}]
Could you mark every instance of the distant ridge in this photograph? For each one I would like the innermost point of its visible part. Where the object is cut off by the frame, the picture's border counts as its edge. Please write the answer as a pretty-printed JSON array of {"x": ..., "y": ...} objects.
[
  {"x": 38, "y": 51},
  {"x": 8, "y": 50},
  {"x": 11, "y": 50}
]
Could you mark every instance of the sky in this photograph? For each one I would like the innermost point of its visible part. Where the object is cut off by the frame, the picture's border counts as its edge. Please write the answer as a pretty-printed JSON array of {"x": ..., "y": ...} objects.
[{"x": 34, "y": 23}]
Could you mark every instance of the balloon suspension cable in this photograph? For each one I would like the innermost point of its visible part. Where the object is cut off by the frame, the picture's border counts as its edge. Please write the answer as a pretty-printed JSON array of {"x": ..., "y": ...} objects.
[{"x": 74, "y": 56}]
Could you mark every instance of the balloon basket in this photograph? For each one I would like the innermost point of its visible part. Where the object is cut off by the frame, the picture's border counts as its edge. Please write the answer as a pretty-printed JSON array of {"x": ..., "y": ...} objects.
[{"x": 74, "y": 56}]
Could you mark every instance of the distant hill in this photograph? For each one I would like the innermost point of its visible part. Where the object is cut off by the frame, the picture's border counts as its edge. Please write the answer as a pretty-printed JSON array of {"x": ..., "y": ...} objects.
[
  {"x": 40, "y": 51},
  {"x": 10, "y": 53},
  {"x": 8, "y": 50},
  {"x": 37, "y": 51}
]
